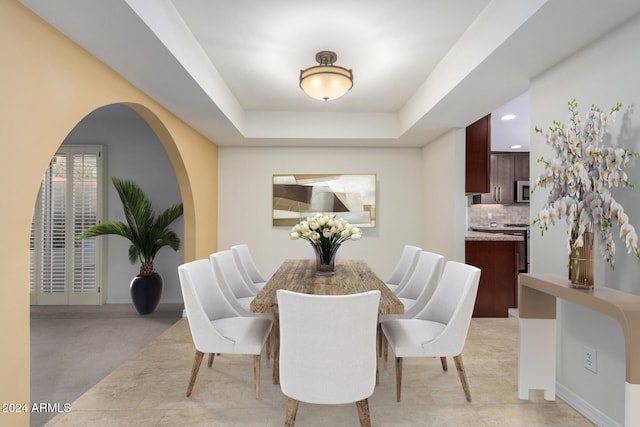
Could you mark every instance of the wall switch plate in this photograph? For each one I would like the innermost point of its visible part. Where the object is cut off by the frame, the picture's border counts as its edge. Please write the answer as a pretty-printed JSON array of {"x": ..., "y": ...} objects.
[{"x": 590, "y": 359}]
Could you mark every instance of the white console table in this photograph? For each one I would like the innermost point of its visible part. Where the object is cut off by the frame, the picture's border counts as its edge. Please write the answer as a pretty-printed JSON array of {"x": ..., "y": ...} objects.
[{"x": 537, "y": 310}]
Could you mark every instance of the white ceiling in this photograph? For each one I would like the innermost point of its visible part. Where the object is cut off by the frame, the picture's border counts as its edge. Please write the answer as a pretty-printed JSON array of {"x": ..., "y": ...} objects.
[{"x": 230, "y": 69}]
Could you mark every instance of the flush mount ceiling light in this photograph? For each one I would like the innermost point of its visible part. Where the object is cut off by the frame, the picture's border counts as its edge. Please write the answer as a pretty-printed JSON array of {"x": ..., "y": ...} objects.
[
  {"x": 508, "y": 117},
  {"x": 326, "y": 81}
]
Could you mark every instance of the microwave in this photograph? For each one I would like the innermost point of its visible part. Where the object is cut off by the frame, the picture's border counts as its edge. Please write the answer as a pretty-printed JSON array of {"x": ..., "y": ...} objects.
[{"x": 522, "y": 192}]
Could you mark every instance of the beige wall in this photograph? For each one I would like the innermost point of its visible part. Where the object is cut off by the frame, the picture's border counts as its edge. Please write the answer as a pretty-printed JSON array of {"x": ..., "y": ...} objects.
[
  {"x": 246, "y": 192},
  {"x": 444, "y": 208},
  {"x": 48, "y": 85}
]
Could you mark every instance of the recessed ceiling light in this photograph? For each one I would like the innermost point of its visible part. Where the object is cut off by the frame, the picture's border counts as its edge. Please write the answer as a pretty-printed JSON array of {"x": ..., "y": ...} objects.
[
  {"x": 515, "y": 147},
  {"x": 508, "y": 117}
]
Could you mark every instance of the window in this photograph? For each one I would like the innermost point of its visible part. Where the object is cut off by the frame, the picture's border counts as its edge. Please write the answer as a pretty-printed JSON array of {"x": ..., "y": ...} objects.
[{"x": 64, "y": 269}]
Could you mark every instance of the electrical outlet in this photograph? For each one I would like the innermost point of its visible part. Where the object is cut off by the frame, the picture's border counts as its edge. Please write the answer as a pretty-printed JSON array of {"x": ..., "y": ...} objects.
[{"x": 590, "y": 359}]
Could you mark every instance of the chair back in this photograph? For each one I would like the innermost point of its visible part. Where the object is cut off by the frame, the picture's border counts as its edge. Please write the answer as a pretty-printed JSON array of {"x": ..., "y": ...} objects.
[
  {"x": 328, "y": 346},
  {"x": 406, "y": 263},
  {"x": 204, "y": 302},
  {"x": 452, "y": 304},
  {"x": 245, "y": 260},
  {"x": 226, "y": 270},
  {"x": 423, "y": 282}
]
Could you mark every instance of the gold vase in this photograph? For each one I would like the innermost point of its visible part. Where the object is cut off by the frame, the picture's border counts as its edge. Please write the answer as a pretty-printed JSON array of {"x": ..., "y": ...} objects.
[{"x": 581, "y": 263}]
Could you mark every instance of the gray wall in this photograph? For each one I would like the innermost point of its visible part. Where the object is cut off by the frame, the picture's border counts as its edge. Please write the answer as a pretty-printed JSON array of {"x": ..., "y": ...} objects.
[
  {"x": 133, "y": 152},
  {"x": 603, "y": 73}
]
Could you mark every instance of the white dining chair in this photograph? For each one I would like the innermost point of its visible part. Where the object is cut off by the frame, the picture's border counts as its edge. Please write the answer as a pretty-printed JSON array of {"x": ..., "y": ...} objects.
[
  {"x": 402, "y": 271},
  {"x": 418, "y": 291},
  {"x": 440, "y": 329},
  {"x": 328, "y": 350},
  {"x": 227, "y": 273},
  {"x": 216, "y": 327},
  {"x": 422, "y": 283},
  {"x": 247, "y": 266},
  {"x": 237, "y": 290}
]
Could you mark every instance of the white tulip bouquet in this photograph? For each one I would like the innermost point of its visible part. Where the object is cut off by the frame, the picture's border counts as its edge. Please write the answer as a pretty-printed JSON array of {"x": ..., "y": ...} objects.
[
  {"x": 326, "y": 233},
  {"x": 581, "y": 178}
]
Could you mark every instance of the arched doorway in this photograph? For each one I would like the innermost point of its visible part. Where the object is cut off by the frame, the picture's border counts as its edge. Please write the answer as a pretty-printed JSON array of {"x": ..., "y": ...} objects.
[
  {"x": 113, "y": 140},
  {"x": 69, "y": 344}
]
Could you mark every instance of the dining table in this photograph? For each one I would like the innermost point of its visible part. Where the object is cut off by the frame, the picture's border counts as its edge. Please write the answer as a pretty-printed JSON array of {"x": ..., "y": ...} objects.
[{"x": 299, "y": 275}]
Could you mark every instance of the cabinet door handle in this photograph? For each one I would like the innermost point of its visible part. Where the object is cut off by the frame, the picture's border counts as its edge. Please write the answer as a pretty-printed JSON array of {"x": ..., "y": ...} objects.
[{"x": 499, "y": 194}]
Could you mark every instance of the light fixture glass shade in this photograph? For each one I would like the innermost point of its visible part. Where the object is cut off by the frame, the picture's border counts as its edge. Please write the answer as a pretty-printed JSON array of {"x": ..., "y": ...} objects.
[{"x": 326, "y": 81}]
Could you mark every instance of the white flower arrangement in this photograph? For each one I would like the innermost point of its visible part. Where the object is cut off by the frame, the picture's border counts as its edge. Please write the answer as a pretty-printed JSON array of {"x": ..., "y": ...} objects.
[
  {"x": 326, "y": 233},
  {"x": 581, "y": 178}
]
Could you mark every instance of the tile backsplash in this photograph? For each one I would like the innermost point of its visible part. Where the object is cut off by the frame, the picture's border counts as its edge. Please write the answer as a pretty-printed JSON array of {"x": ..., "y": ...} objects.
[{"x": 478, "y": 214}]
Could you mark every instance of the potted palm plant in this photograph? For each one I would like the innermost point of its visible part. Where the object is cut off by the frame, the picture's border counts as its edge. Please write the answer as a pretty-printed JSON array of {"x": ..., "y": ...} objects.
[{"x": 147, "y": 234}]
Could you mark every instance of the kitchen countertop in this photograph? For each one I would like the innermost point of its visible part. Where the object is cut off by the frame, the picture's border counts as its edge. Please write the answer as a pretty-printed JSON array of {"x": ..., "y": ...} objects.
[
  {"x": 496, "y": 228},
  {"x": 479, "y": 236}
]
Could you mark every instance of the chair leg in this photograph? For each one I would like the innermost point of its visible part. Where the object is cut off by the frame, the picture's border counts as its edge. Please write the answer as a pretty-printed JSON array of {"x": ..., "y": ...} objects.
[
  {"x": 398, "y": 377},
  {"x": 385, "y": 350},
  {"x": 256, "y": 374},
  {"x": 443, "y": 361},
  {"x": 463, "y": 376},
  {"x": 268, "y": 348},
  {"x": 363, "y": 413},
  {"x": 292, "y": 411},
  {"x": 194, "y": 371},
  {"x": 210, "y": 361}
]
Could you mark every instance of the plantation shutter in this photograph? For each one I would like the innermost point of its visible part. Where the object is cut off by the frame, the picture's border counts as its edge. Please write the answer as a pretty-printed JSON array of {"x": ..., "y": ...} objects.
[
  {"x": 64, "y": 269},
  {"x": 53, "y": 220},
  {"x": 85, "y": 205}
]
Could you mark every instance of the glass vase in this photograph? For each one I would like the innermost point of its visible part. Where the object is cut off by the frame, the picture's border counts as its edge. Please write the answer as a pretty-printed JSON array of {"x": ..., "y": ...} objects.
[
  {"x": 581, "y": 273},
  {"x": 325, "y": 259}
]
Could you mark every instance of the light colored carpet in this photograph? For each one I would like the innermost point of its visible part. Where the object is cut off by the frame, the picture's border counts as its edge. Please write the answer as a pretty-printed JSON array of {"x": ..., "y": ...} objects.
[
  {"x": 149, "y": 390},
  {"x": 74, "y": 347}
]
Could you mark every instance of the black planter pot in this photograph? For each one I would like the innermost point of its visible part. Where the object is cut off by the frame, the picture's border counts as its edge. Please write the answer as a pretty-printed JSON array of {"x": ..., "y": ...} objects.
[{"x": 146, "y": 292}]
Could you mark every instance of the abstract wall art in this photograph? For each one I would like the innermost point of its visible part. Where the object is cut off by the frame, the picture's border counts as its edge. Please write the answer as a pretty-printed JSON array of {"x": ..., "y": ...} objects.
[{"x": 349, "y": 196}]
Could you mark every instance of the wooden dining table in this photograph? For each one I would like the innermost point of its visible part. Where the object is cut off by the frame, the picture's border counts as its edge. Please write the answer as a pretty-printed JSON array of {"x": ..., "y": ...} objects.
[{"x": 299, "y": 275}]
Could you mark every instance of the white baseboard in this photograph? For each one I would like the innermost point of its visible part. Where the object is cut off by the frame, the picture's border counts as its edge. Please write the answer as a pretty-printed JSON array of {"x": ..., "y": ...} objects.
[{"x": 579, "y": 404}]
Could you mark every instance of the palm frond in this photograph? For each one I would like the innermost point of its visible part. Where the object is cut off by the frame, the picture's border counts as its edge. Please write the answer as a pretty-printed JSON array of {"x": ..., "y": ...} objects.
[{"x": 146, "y": 233}]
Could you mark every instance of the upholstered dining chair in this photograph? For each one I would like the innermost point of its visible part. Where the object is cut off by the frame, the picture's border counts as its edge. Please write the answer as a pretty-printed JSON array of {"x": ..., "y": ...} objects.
[
  {"x": 327, "y": 350},
  {"x": 422, "y": 283},
  {"x": 440, "y": 329},
  {"x": 216, "y": 327},
  {"x": 418, "y": 289},
  {"x": 228, "y": 274},
  {"x": 403, "y": 269},
  {"x": 247, "y": 266}
]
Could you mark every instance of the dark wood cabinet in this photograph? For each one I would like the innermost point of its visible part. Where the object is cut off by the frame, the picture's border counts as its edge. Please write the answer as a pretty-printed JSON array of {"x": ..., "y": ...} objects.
[
  {"x": 477, "y": 156},
  {"x": 521, "y": 166},
  {"x": 506, "y": 169},
  {"x": 498, "y": 262}
]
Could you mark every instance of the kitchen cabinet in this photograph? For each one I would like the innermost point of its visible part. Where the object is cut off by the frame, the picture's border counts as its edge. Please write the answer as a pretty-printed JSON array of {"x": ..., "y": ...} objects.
[
  {"x": 506, "y": 169},
  {"x": 477, "y": 156},
  {"x": 522, "y": 247},
  {"x": 498, "y": 264},
  {"x": 521, "y": 166}
]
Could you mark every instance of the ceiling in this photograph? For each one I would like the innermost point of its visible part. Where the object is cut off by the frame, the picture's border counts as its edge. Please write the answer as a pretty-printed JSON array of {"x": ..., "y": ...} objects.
[{"x": 230, "y": 69}]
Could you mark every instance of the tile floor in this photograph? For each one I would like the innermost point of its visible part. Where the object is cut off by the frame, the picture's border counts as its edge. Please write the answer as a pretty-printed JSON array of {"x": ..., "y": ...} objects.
[{"x": 149, "y": 389}]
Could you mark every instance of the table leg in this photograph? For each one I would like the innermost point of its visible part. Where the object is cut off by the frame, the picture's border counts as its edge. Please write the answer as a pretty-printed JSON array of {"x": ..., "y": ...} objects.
[{"x": 537, "y": 357}]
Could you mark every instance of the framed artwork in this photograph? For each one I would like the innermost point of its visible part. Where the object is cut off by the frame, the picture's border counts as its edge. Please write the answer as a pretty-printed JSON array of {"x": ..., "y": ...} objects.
[{"x": 297, "y": 196}]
